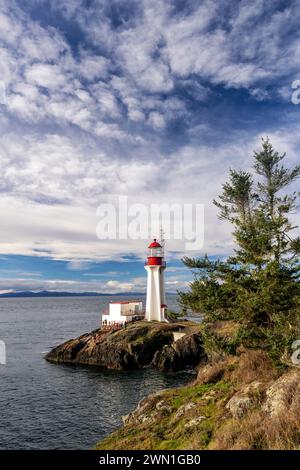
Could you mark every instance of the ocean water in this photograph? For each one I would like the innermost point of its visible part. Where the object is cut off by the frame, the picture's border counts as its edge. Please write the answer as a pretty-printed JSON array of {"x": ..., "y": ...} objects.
[{"x": 48, "y": 406}]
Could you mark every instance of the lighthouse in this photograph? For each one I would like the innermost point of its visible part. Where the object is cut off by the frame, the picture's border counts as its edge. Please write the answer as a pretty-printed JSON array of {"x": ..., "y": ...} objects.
[{"x": 155, "y": 266}]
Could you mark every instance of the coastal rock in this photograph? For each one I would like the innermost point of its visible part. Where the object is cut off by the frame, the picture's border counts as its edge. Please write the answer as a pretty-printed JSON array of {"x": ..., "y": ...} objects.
[
  {"x": 194, "y": 422},
  {"x": 284, "y": 394},
  {"x": 163, "y": 406},
  {"x": 134, "y": 346},
  {"x": 238, "y": 403},
  {"x": 186, "y": 351},
  {"x": 146, "y": 411},
  {"x": 244, "y": 400},
  {"x": 184, "y": 409}
]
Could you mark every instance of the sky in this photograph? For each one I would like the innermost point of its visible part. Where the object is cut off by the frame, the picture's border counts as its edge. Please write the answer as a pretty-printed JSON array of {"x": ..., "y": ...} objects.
[{"x": 151, "y": 99}]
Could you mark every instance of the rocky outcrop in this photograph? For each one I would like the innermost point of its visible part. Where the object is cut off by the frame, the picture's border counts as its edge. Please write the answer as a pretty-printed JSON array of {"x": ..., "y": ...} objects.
[
  {"x": 283, "y": 394},
  {"x": 148, "y": 410},
  {"x": 140, "y": 344},
  {"x": 187, "y": 351},
  {"x": 237, "y": 403},
  {"x": 245, "y": 399}
]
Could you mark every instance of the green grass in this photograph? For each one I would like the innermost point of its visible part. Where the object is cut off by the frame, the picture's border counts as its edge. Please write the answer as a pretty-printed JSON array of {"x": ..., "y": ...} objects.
[
  {"x": 186, "y": 393},
  {"x": 168, "y": 431}
]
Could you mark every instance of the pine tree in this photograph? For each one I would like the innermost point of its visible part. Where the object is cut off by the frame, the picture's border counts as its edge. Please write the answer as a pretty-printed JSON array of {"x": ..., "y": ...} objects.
[{"x": 259, "y": 283}]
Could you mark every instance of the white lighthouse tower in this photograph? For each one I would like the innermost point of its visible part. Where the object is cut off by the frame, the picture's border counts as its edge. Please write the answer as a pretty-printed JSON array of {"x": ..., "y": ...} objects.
[{"x": 155, "y": 266}]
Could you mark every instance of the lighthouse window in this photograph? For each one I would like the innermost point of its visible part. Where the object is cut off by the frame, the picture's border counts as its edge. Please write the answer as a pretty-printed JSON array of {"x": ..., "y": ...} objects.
[{"x": 155, "y": 252}]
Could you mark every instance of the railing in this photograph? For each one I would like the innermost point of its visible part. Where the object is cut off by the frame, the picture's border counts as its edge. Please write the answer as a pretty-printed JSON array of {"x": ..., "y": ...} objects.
[
  {"x": 128, "y": 312},
  {"x": 133, "y": 313}
]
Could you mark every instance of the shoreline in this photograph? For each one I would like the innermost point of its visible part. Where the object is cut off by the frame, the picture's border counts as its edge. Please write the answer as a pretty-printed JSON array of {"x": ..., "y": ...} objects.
[{"x": 140, "y": 344}]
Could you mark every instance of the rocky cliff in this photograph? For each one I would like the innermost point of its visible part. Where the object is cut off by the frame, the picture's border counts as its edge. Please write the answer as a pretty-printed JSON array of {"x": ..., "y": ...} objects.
[
  {"x": 237, "y": 402},
  {"x": 140, "y": 344},
  {"x": 240, "y": 399}
]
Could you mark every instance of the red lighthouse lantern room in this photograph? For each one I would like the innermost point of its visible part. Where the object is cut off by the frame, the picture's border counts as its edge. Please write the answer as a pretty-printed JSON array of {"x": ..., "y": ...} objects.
[{"x": 155, "y": 254}]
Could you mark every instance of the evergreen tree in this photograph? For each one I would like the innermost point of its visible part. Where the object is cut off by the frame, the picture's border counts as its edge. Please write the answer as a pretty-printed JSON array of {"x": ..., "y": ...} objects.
[{"x": 259, "y": 284}]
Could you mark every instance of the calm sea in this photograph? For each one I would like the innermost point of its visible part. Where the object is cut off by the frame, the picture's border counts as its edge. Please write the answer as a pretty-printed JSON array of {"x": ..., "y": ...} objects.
[{"x": 46, "y": 406}]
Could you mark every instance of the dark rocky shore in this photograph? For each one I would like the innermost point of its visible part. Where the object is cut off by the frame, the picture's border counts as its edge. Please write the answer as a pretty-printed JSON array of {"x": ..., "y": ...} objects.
[{"x": 165, "y": 346}]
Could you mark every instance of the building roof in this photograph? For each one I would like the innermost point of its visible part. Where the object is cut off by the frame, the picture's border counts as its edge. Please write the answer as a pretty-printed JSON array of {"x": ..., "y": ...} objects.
[
  {"x": 154, "y": 244},
  {"x": 127, "y": 302}
]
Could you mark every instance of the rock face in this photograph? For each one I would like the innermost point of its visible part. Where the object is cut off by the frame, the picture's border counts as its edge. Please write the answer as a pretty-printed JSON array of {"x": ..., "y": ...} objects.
[
  {"x": 228, "y": 406},
  {"x": 283, "y": 395},
  {"x": 244, "y": 400},
  {"x": 187, "y": 351},
  {"x": 138, "y": 345},
  {"x": 147, "y": 411}
]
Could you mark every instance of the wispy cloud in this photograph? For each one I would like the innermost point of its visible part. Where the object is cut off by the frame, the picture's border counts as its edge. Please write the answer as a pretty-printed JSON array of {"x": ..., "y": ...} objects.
[
  {"x": 111, "y": 286},
  {"x": 154, "y": 100}
]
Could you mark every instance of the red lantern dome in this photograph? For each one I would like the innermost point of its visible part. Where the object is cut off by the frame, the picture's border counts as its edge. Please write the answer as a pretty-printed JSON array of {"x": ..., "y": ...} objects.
[
  {"x": 154, "y": 244},
  {"x": 155, "y": 254}
]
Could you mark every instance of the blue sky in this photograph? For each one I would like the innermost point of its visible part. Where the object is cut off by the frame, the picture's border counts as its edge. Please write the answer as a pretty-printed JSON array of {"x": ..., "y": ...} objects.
[{"x": 155, "y": 100}]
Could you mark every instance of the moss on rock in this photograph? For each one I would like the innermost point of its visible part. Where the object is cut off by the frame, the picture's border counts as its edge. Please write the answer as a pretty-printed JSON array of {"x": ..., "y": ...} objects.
[{"x": 229, "y": 406}]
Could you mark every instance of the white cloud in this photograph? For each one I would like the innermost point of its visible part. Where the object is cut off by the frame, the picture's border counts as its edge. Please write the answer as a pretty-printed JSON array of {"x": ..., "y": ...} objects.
[
  {"x": 260, "y": 94},
  {"x": 156, "y": 120},
  {"x": 45, "y": 75},
  {"x": 83, "y": 125},
  {"x": 95, "y": 285},
  {"x": 152, "y": 54},
  {"x": 117, "y": 286},
  {"x": 109, "y": 131},
  {"x": 92, "y": 67},
  {"x": 107, "y": 101}
]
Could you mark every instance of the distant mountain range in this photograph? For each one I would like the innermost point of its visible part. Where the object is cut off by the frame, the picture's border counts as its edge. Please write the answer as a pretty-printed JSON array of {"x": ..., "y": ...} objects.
[{"x": 46, "y": 293}]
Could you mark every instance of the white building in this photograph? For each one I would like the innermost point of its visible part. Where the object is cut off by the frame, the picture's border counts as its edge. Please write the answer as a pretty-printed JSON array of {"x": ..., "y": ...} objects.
[
  {"x": 156, "y": 299},
  {"x": 123, "y": 312}
]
